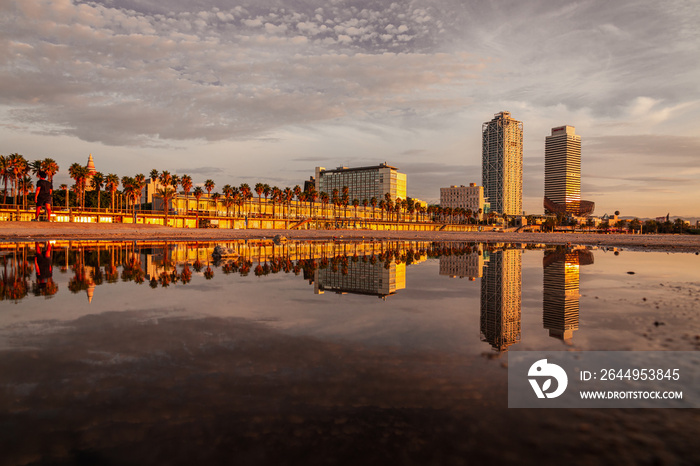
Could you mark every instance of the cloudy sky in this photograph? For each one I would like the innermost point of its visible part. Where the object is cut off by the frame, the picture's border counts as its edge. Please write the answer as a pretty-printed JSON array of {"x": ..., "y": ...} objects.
[{"x": 265, "y": 90}]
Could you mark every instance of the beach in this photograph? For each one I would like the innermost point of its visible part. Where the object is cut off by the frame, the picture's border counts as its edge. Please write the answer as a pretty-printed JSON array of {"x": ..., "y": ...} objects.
[{"x": 40, "y": 231}]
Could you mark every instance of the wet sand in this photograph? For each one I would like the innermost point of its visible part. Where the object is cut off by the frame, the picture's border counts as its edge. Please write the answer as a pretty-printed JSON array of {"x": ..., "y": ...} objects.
[{"x": 30, "y": 231}]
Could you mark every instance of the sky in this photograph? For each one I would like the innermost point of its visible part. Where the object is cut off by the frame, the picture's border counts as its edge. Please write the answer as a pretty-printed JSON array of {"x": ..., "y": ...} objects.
[{"x": 266, "y": 90}]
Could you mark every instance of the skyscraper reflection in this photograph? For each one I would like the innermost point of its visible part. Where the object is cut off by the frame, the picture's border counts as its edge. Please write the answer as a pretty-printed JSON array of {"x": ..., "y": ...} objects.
[
  {"x": 560, "y": 301},
  {"x": 501, "y": 299}
]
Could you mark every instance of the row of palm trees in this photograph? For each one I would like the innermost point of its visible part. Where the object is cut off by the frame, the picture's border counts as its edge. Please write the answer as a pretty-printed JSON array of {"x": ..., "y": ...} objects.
[{"x": 14, "y": 170}]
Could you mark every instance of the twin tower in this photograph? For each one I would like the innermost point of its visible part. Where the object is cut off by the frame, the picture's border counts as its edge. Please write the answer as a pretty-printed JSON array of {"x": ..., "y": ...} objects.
[{"x": 502, "y": 168}]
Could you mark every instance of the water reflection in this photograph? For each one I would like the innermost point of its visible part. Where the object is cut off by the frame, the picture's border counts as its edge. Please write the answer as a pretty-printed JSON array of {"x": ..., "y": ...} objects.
[
  {"x": 560, "y": 301},
  {"x": 501, "y": 299},
  {"x": 368, "y": 268},
  {"x": 252, "y": 367},
  {"x": 44, "y": 285},
  {"x": 468, "y": 264}
]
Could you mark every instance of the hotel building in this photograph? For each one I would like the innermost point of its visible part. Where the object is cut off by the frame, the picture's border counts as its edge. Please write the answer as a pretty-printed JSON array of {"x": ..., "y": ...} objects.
[
  {"x": 502, "y": 163},
  {"x": 363, "y": 182},
  {"x": 562, "y": 173}
]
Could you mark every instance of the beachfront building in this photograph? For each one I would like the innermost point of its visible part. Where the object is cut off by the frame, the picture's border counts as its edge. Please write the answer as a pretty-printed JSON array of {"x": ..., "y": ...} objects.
[
  {"x": 502, "y": 163},
  {"x": 562, "y": 174},
  {"x": 466, "y": 197},
  {"x": 363, "y": 182}
]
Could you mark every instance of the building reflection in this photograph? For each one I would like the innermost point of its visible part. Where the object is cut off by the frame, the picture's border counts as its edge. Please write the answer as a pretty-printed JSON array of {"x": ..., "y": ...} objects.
[
  {"x": 560, "y": 301},
  {"x": 501, "y": 299},
  {"x": 469, "y": 265},
  {"x": 368, "y": 277}
]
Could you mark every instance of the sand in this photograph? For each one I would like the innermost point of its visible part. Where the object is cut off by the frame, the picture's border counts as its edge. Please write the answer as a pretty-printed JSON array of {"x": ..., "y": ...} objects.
[{"x": 31, "y": 231}]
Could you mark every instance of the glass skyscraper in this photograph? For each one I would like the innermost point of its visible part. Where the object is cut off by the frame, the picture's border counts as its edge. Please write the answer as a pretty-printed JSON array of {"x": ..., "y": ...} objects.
[{"x": 502, "y": 163}]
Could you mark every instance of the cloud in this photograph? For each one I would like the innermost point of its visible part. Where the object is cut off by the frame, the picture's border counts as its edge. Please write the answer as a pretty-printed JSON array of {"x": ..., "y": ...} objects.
[
  {"x": 122, "y": 77},
  {"x": 647, "y": 145}
]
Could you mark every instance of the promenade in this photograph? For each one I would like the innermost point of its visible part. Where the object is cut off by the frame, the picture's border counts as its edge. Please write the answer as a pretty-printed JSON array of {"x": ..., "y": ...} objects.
[{"x": 39, "y": 231}]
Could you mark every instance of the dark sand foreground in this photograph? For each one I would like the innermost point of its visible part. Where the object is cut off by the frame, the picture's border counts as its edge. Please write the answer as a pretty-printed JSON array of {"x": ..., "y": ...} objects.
[{"x": 31, "y": 231}]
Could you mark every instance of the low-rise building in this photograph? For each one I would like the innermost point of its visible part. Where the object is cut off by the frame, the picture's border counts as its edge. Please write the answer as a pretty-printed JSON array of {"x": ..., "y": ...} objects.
[{"x": 466, "y": 197}]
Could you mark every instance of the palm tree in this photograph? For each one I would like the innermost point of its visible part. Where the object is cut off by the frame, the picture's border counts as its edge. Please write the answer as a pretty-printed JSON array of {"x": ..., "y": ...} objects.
[
  {"x": 17, "y": 168},
  {"x": 387, "y": 200},
  {"x": 186, "y": 183},
  {"x": 244, "y": 189},
  {"x": 64, "y": 187},
  {"x": 373, "y": 202},
  {"x": 5, "y": 174},
  {"x": 228, "y": 194},
  {"x": 27, "y": 187},
  {"x": 335, "y": 200},
  {"x": 165, "y": 178},
  {"x": 266, "y": 192},
  {"x": 79, "y": 173},
  {"x": 131, "y": 190},
  {"x": 97, "y": 182},
  {"x": 259, "y": 188},
  {"x": 411, "y": 207},
  {"x": 324, "y": 200},
  {"x": 288, "y": 195},
  {"x": 228, "y": 202},
  {"x": 198, "y": 193},
  {"x": 167, "y": 193},
  {"x": 215, "y": 197},
  {"x": 112, "y": 184},
  {"x": 35, "y": 167},
  {"x": 238, "y": 199},
  {"x": 389, "y": 206},
  {"x": 345, "y": 200},
  {"x": 312, "y": 195},
  {"x": 297, "y": 193},
  {"x": 140, "y": 181},
  {"x": 275, "y": 194},
  {"x": 209, "y": 185},
  {"x": 50, "y": 166},
  {"x": 382, "y": 205},
  {"x": 355, "y": 204}
]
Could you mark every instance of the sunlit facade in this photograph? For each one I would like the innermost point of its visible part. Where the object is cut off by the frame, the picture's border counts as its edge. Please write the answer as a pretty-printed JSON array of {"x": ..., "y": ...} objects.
[
  {"x": 363, "y": 182},
  {"x": 502, "y": 163},
  {"x": 562, "y": 173},
  {"x": 466, "y": 197}
]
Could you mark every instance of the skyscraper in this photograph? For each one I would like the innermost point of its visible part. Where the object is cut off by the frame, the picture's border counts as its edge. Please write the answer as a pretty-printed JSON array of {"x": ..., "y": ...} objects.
[
  {"x": 502, "y": 163},
  {"x": 562, "y": 173}
]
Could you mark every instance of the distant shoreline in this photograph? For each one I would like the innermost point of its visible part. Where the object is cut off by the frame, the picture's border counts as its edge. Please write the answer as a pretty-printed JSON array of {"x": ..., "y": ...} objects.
[{"x": 39, "y": 231}]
